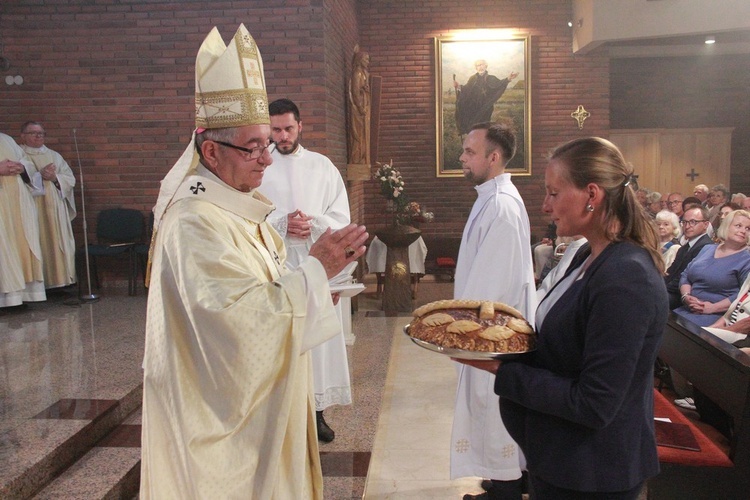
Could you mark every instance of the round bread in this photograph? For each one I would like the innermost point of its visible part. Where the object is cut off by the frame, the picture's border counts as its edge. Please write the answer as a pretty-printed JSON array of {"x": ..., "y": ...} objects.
[{"x": 473, "y": 325}]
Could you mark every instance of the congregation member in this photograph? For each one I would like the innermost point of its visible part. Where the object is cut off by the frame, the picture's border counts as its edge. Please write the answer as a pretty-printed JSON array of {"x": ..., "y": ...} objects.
[
  {"x": 494, "y": 263},
  {"x": 21, "y": 269},
  {"x": 668, "y": 227},
  {"x": 690, "y": 202},
  {"x": 694, "y": 226},
  {"x": 581, "y": 405},
  {"x": 712, "y": 280},
  {"x": 543, "y": 251},
  {"x": 556, "y": 273},
  {"x": 732, "y": 326},
  {"x": 737, "y": 317},
  {"x": 746, "y": 204},
  {"x": 723, "y": 211},
  {"x": 56, "y": 208},
  {"x": 738, "y": 199},
  {"x": 227, "y": 401},
  {"x": 701, "y": 192},
  {"x": 310, "y": 196},
  {"x": 653, "y": 203},
  {"x": 674, "y": 203},
  {"x": 642, "y": 196},
  {"x": 718, "y": 196}
]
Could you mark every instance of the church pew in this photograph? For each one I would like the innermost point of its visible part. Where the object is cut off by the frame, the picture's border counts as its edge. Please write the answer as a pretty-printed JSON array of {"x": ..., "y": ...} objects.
[{"x": 722, "y": 372}]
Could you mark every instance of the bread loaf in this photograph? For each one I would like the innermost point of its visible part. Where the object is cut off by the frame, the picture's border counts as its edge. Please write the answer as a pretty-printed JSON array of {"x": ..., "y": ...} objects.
[{"x": 473, "y": 325}]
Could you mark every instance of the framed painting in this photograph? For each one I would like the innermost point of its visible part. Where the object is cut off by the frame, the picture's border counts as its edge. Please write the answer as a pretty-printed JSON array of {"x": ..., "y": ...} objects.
[{"x": 478, "y": 81}]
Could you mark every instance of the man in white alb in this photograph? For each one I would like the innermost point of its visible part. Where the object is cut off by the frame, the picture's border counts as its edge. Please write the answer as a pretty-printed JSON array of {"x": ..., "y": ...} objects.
[
  {"x": 56, "y": 208},
  {"x": 21, "y": 275},
  {"x": 310, "y": 196},
  {"x": 494, "y": 263}
]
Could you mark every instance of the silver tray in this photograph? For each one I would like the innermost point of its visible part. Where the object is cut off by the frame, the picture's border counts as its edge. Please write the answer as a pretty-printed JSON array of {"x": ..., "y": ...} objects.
[{"x": 464, "y": 354}]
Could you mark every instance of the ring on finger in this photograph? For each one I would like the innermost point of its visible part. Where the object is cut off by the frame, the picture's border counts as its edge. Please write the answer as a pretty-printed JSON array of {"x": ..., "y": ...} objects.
[{"x": 349, "y": 251}]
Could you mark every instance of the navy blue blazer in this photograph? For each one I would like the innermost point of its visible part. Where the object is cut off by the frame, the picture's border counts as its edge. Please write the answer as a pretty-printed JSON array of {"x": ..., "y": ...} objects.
[{"x": 581, "y": 406}]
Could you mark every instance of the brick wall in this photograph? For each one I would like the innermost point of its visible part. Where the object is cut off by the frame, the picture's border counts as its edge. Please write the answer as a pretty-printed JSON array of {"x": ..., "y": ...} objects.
[
  {"x": 121, "y": 74},
  {"x": 687, "y": 92},
  {"x": 399, "y": 37},
  {"x": 342, "y": 32}
]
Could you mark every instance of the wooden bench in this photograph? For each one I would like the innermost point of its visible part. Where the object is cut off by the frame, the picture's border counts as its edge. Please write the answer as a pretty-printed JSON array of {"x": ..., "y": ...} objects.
[
  {"x": 721, "y": 372},
  {"x": 442, "y": 255}
]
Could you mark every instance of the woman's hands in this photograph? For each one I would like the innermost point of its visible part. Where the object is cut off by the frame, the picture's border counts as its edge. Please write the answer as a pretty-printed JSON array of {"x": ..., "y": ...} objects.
[
  {"x": 490, "y": 365},
  {"x": 697, "y": 306}
]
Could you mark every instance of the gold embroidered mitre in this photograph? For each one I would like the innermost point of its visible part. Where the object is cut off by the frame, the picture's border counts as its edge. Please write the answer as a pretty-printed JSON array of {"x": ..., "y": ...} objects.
[{"x": 230, "y": 89}]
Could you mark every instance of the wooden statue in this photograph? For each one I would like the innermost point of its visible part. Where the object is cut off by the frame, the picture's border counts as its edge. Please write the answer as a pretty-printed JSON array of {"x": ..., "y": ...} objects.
[{"x": 358, "y": 138}]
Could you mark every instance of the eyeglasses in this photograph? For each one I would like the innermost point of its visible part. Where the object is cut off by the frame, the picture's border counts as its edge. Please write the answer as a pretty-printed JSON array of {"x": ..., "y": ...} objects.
[
  {"x": 674, "y": 202},
  {"x": 691, "y": 223},
  {"x": 249, "y": 153},
  {"x": 37, "y": 134}
]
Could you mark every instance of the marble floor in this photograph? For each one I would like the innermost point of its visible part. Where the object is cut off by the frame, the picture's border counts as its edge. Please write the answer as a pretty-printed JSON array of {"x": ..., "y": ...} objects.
[{"x": 66, "y": 367}]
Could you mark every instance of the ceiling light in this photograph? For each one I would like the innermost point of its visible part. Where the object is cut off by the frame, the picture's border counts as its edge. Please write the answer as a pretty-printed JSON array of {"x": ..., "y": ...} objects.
[{"x": 710, "y": 40}]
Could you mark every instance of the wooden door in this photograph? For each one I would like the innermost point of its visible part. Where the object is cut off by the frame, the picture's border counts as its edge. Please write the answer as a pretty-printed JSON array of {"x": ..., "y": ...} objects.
[
  {"x": 669, "y": 160},
  {"x": 641, "y": 149}
]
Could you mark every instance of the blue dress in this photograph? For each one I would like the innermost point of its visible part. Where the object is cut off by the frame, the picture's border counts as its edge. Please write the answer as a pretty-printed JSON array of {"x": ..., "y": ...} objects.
[{"x": 713, "y": 279}]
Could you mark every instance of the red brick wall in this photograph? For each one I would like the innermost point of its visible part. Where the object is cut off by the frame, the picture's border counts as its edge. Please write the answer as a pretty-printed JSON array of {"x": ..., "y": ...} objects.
[
  {"x": 341, "y": 35},
  {"x": 122, "y": 75},
  {"x": 687, "y": 92},
  {"x": 399, "y": 37}
]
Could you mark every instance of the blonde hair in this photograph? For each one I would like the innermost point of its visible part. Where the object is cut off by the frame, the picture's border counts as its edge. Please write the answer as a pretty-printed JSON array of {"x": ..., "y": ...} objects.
[
  {"x": 598, "y": 161},
  {"x": 721, "y": 233}
]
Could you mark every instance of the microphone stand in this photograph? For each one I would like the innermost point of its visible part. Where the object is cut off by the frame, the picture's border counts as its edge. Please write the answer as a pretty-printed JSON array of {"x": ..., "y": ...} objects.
[{"x": 91, "y": 297}]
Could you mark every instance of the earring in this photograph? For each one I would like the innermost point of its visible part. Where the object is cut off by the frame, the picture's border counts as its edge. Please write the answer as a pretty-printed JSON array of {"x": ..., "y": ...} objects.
[{"x": 589, "y": 208}]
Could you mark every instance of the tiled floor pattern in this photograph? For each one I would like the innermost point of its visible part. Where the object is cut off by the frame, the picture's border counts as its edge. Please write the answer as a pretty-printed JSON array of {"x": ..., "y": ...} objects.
[{"x": 64, "y": 365}]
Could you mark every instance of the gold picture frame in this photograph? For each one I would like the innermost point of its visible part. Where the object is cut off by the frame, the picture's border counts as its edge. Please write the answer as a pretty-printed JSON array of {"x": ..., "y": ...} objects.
[{"x": 465, "y": 95}]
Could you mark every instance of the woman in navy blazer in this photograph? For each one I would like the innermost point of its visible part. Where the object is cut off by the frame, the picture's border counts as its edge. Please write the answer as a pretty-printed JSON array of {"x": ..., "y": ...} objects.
[{"x": 581, "y": 406}]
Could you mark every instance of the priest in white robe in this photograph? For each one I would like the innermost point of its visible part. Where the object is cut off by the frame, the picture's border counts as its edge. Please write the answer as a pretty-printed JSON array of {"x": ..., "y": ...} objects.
[
  {"x": 227, "y": 391},
  {"x": 21, "y": 274},
  {"x": 56, "y": 208},
  {"x": 494, "y": 263},
  {"x": 310, "y": 196}
]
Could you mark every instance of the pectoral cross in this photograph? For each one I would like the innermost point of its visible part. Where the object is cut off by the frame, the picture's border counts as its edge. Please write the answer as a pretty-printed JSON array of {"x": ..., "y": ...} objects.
[{"x": 693, "y": 174}]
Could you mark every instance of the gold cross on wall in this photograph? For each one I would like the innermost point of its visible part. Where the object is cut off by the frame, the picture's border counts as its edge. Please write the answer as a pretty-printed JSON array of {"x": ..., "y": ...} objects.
[{"x": 580, "y": 115}]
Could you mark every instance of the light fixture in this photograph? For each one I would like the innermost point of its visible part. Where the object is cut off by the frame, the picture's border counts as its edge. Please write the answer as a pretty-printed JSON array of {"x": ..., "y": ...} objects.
[
  {"x": 710, "y": 40},
  {"x": 570, "y": 24}
]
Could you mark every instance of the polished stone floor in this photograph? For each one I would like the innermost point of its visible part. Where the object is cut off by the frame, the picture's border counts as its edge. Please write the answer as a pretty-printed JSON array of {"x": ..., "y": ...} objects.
[{"x": 63, "y": 363}]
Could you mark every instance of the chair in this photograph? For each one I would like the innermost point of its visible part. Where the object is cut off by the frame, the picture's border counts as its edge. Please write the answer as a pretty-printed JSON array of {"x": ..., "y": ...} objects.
[
  {"x": 118, "y": 230},
  {"x": 141, "y": 249}
]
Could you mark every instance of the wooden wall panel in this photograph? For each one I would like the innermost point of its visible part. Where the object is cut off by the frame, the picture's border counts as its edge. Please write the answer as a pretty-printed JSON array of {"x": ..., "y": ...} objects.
[{"x": 664, "y": 159}]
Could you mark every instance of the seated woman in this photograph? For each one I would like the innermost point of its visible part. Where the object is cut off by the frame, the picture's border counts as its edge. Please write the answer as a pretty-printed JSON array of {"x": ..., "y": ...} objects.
[
  {"x": 723, "y": 211},
  {"x": 668, "y": 225},
  {"x": 736, "y": 320},
  {"x": 712, "y": 280},
  {"x": 734, "y": 328}
]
